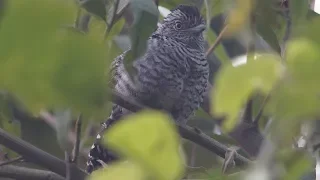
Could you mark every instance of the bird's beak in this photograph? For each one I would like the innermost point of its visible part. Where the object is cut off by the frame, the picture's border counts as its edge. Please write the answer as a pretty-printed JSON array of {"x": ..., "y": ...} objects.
[{"x": 198, "y": 29}]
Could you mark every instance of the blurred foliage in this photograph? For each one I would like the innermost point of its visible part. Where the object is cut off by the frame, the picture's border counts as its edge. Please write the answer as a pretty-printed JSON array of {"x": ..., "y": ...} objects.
[
  {"x": 260, "y": 74},
  {"x": 239, "y": 16},
  {"x": 52, "y": 60},
  {"x": 155, "y": 149},
  {"x": 46, "y": 64},
  {"x": 295, "y": 162},
  {"x": 120, "y": 170},
  {"x": 95, "y": 7},
  {"x": 144, "y": 12}
]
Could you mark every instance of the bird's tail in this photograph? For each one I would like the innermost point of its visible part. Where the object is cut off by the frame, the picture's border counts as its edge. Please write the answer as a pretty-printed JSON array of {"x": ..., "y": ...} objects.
[{"x": 99, "y": 155}]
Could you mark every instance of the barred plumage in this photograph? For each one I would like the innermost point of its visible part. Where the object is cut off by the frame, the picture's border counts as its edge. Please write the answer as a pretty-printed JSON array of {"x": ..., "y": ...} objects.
[{"x": 172, "y": 74}]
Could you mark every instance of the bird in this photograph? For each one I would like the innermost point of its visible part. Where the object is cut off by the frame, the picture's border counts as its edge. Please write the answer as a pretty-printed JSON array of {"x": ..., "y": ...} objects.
[{"x": 172, "y": 75}]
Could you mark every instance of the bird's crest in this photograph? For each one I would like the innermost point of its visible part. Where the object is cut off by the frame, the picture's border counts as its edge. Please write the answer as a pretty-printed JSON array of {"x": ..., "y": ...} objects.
[{"x": 187, "y": 10}]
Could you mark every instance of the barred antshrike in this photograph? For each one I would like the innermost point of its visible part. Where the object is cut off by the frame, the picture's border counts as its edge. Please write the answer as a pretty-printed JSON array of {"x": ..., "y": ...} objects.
[{"x": 172, "y": 74}]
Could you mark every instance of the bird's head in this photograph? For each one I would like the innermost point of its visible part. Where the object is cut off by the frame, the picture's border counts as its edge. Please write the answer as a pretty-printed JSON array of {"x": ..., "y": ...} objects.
[{"x": 184, "y": 24}]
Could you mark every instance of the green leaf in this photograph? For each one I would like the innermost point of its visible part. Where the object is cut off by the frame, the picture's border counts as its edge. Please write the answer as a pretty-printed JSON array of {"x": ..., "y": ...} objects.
[
  {"x": 59, "y": 68},
  {"x": 3, "y": 6},
  {"x": 114, "y": 16},
  {"x": 79, "y": 76},
  {"x": 270, "y": 24},
  {"x": 170, "y": 4},
  {"x": 239, "y": 16},
  {"x": 95, "y": 7},
  {"x": 113, "y": 50},
  {"x": 296, "y": 163},
  {"x": 312, "y": 29},
  {"x": 235, "y": 84},
  {"x": 290, "y": 104},
  {"x": 146, "y": 15},
  {"x": 297, "y": 97},
  {"x": 217, "y": 6},
  {"x": 26, "y": 40},
  {"x": 311, "y": 14},
  {"x": 266, "y": 12},
  {"x": 298, "y": 13},
  {"x": 150, "y": 139},
  {"x": 268, "y": 35},
  {"x": 119, "y": 171},
  {"x": 303, "y": 64}
]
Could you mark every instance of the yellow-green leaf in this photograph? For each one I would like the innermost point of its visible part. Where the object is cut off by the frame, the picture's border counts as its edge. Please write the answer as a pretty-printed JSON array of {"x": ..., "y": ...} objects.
[
  {"x": 235, "y": 84},
  {"x": 239, "y": 16},
  {"x": 43, "y": 64},
  {"x": 296, "y": 163},
  {"x": 119, "y": 171},
  {"x": 303, "y": 63},
  {"x": 149, "y": 138}
]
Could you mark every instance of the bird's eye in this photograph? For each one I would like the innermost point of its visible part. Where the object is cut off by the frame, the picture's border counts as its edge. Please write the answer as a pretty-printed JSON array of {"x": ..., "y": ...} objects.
[{"x": 178, "y": 25}]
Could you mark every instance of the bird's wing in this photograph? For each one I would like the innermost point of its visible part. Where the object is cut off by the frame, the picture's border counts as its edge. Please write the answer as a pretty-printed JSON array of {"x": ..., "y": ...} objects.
[{"x": 115, "y": 70}]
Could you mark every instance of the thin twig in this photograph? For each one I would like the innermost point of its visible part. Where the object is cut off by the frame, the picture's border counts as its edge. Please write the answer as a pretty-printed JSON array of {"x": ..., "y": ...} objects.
[
  {"x": 14, "y": 160},
  {"x": 193, "y": 157},
  {"x": 206, "y": 3},
  {"x": 78, "y": 140},
  {"x": 229, "y": 159},
  {"x": 48, "y": 118},
  {"x": 217, "y": 41},
  {"x": 68, "y": 169}
]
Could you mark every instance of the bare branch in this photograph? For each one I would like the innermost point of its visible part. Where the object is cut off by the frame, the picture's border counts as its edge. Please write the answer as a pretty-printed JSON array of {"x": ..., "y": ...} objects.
[
  {"x": 11, "y": 161},
  {"x": 192, "y": 134},
  {"x": 36, "y": 155},
  {"x": 16, "y": 172}
]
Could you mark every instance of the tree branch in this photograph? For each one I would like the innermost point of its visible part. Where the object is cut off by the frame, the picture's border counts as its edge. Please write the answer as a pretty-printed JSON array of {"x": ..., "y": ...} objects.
[
  {"x": 46, "y": 160},
  {"x": 192, "y": 134},
  {"x": 16, "y": 172},
  {"x": 11, "y": 161},
  {"x": 36, "y": 155}
]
